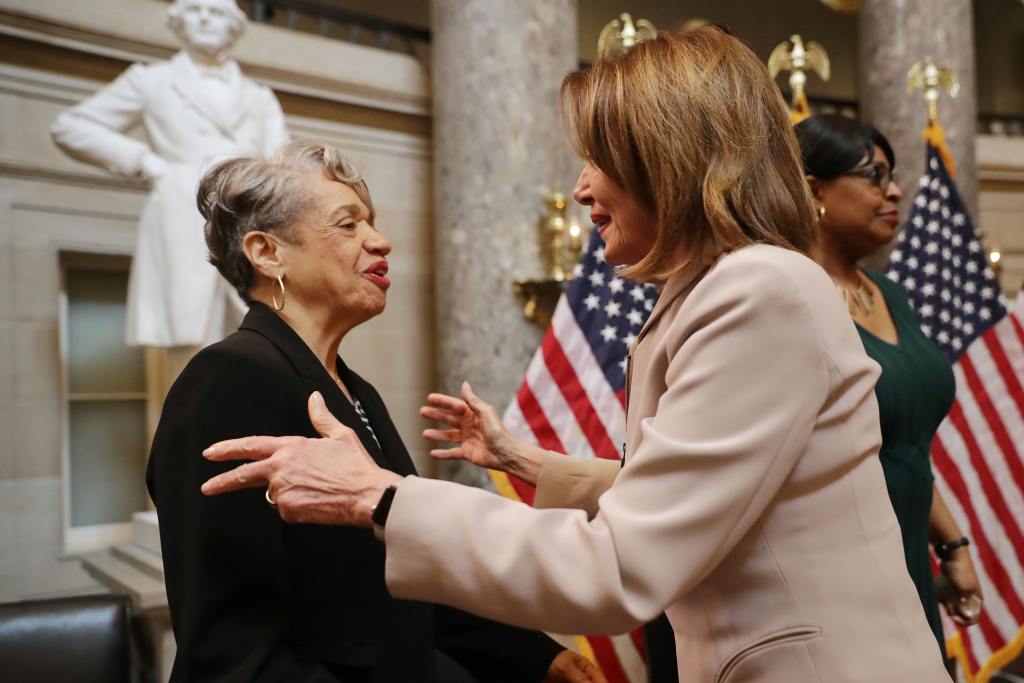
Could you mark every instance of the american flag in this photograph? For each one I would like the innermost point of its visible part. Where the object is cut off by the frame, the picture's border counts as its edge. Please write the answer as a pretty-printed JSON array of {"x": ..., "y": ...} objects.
[
  {"x": 978, "y": 452},
  {"x": 573, "y": 401}
]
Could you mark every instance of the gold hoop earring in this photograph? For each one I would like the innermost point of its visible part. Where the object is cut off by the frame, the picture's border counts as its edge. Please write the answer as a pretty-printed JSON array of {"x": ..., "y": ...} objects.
[
  {"x": 821, "y": 213},
  {"x": 280, "y": 281}
]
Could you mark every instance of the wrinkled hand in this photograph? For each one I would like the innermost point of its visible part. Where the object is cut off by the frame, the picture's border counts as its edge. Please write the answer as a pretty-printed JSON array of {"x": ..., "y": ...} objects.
[
  {"x": 479, "y": 434},
  {"x": 962, "y": 586},
  {"x": 314, "y": 481},
  {"x": 569, "y": 667},
  {"x": 474, "y": 425}
]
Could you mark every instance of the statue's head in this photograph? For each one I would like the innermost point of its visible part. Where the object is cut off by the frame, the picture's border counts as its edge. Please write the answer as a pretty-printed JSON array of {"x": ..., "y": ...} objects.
[{"x": 207, "y": 26}]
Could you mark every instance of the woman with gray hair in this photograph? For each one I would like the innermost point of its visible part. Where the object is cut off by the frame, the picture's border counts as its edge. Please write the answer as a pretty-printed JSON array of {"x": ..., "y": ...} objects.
[{"x": 251, "y": 597}]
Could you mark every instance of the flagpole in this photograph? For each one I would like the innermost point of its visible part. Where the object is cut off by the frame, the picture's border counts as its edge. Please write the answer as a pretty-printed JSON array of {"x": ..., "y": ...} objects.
[
  {"x": 978, "y": 461},
  {"x": 932, "y": 78}
]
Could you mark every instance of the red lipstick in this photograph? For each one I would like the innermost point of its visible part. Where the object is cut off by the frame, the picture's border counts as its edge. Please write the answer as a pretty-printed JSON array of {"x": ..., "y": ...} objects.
[{"x": 377, "y": 274}]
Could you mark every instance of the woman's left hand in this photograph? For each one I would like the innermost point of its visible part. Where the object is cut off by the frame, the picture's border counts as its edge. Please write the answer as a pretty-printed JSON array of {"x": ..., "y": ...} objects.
[
  {"x": 962, "y": 589},
  {"x": 569, "y": 667},
  {"x": 331, "y": 480}
]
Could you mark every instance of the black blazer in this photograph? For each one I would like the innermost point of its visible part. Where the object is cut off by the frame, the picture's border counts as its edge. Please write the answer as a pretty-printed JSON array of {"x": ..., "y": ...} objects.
[{"x": 255, "y": 599}]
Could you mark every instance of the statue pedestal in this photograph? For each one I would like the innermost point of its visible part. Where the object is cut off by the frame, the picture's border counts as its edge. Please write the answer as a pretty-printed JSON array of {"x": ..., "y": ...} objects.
[{"x": 137, "y": 569}]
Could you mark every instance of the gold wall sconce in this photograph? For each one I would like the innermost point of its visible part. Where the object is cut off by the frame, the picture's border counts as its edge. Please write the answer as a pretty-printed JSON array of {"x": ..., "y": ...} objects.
[
  {"x": 560, "y": 239},
  {"x": 995, "y": 259}
]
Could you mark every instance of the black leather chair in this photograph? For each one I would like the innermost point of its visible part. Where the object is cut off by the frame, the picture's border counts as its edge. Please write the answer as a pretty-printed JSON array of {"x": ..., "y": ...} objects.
[{"x": 85, "y": 639}]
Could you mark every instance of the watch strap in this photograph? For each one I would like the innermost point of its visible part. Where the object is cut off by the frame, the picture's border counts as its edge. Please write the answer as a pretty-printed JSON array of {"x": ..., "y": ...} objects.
[{"x": 379, "y": 514}]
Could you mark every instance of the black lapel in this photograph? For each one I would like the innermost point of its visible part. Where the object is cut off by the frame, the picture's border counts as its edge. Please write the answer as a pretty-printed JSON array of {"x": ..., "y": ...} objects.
[{"x": 265, "y": 322}]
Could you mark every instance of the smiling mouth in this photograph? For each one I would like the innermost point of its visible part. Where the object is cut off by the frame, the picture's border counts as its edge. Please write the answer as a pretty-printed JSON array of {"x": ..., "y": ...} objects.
[
  {"x": 601, "y": 221},
  {"x": 377, "y": 274}
]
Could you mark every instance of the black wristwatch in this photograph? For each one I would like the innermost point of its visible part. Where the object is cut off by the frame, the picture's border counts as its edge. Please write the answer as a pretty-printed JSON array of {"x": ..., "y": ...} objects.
[
  {"x": 944, "y": 551},
  {"x": 379, "y": 514}
]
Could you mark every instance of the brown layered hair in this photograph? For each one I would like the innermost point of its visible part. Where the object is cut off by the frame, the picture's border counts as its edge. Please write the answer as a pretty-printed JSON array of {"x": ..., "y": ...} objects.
[{"x": 692, "y": 125}]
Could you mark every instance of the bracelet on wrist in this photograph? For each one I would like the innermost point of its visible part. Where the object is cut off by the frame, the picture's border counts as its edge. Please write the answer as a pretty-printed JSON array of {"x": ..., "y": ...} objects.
[{"x": 944, "y": 551}]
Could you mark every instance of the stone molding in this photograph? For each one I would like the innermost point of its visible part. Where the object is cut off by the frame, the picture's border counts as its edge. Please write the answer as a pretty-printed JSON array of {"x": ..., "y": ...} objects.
[
  {"x": 1000, "y": 158},
  {"x": 14, "y": 169},
  {"x": 287, "y": 61},
  {"x": 351, "y": 137}
]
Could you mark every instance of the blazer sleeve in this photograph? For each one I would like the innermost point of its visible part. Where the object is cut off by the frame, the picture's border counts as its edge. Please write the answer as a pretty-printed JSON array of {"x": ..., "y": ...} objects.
[
  {"x": 566, "y": 482},
  {"x": 491, "y": 651},
  {"x": 93, "y": 131},
  {"x": 711, "y": 460},
  {"x": 225, "y": 560}
]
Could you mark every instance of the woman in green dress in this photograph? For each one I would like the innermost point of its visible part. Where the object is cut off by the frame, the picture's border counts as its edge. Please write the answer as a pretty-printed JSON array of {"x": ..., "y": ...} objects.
[{"x": 849, "y": 166}]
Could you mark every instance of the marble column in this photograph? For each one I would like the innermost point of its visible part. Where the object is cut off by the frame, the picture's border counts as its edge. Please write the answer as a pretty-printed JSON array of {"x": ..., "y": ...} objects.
[
  {"x": 498, "y": 148},
  {"x": 895, "y": 35}
]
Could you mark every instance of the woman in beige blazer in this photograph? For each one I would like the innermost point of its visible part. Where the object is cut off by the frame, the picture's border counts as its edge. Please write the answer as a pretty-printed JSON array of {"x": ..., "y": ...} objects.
[{"x": 751, "y": 506}]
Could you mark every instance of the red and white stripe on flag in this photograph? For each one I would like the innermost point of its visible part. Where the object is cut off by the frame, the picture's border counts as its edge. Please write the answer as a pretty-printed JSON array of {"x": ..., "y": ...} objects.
[
  {"x": 978, "y": 457},
  {"x": 572, "y": 401},
  {"x": 978, "y": 451},
  {"x": 565, "y": 404}
]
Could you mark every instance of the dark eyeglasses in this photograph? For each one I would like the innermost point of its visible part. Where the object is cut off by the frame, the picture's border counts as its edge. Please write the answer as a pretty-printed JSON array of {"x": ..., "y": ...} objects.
[{"x": 877, "y": 174}]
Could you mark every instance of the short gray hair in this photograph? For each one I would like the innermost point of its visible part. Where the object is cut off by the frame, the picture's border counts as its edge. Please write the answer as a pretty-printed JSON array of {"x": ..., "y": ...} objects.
[
  {"x": 238, "y": 23},
  {"x": 254, "y": 193}
]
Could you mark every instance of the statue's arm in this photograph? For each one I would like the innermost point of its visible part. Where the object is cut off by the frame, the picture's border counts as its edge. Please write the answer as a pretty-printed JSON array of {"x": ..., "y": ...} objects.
[{"x": 93, "y": 131}]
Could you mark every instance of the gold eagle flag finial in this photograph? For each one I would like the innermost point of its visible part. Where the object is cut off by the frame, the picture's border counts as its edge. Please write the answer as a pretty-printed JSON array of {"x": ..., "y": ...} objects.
[
  {"x": 931, "y": 77},
  {"x": 619, "y": 35},
  {"x": 796, "y": 58}
]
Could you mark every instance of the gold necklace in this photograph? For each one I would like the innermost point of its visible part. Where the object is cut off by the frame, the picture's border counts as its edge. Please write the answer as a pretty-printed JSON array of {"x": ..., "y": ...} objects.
[{"x": 861, "y": 299}]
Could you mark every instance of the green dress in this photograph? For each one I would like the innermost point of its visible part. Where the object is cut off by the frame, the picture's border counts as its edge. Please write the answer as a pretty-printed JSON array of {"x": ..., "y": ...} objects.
[{"x": 914, "y": 393}]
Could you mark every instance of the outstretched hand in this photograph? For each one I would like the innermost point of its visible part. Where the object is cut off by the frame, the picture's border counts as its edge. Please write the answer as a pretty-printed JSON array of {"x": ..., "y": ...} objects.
[
  {"x": 331, "y": 480},
  {"x": 479, "y": 435},
  {"x": 474, "y": 426}
]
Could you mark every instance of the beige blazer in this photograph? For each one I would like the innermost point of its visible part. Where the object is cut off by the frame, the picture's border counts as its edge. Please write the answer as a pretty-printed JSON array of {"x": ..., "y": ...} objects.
[{"x": 751, "y": 506}]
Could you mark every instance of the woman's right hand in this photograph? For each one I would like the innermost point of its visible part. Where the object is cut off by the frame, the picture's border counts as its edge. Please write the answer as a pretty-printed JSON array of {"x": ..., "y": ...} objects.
[{"x": 479, "y": 435}]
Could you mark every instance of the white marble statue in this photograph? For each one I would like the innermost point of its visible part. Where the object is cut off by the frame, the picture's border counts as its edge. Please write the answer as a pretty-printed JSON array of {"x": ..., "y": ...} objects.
[{"x": 195, "y": 107}]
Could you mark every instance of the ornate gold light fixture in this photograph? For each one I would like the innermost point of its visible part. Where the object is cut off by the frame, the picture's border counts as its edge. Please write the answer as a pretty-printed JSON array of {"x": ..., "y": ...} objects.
[{"x": 560, "y": 240}]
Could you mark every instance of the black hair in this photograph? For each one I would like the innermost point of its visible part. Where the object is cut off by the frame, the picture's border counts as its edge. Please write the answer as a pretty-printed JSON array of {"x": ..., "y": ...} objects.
[{"x": 832, "y": 145}]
